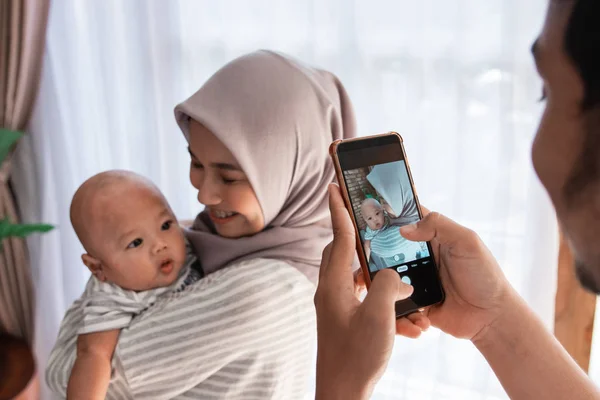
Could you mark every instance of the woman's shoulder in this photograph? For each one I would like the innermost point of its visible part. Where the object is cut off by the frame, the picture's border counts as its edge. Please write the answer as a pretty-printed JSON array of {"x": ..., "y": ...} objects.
[
  {"x": 260, "y": 274},
  {"x": 255, "y": 267}
]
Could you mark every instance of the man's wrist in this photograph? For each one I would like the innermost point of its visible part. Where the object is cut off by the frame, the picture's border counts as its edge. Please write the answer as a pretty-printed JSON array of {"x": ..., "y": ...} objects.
[
  {"x": 334, "y": 384},
  {"x": 503, "y": 324},
  {"x": 342, "y": 390}
]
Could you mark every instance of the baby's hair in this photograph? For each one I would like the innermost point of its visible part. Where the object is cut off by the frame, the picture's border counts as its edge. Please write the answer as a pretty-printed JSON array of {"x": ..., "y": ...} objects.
[
  {"x": 370, "y": 200},
  {"x": 102, "y": 184}
]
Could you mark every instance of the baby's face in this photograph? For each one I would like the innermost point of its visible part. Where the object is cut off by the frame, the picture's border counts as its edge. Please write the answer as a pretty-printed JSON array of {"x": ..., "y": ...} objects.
[
  {"x": 142, "y": 244},
  {"x": 373, "y": 214}
]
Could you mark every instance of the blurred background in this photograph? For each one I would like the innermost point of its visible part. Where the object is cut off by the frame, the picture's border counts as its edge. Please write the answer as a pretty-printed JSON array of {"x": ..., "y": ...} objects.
[{"x": 454, "y": 77}]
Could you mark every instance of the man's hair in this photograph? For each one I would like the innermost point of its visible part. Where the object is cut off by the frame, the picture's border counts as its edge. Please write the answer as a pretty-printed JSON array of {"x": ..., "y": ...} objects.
[{"x": 582, "y": 45}]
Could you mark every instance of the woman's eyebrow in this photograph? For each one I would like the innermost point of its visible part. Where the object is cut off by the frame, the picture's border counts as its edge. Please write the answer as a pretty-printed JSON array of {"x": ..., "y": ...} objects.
[{"x": 226, "y": 166}]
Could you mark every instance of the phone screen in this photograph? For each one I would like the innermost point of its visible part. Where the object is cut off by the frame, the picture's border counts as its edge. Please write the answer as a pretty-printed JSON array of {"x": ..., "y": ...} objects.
[{"x": 383, "y": 200}]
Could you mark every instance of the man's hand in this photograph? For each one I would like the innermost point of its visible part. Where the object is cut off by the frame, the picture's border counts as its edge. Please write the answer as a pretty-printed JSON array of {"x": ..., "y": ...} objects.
[
  {"x": 355, "y": 339},
  {"x": 476, "y": 289}
]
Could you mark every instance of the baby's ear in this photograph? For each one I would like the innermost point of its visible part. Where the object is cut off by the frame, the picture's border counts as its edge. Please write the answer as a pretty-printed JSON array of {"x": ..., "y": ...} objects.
[{"x": 94, "y": 265}]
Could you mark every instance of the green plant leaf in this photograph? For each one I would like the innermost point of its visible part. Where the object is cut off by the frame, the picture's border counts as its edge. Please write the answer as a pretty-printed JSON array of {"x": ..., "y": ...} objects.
[
  {"x": 8, "y": 229},
  {"x": 8, "y": 138}
]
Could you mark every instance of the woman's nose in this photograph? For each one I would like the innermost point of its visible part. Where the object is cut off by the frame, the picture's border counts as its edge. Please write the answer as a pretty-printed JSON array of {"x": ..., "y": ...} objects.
[{"x": 208, "y": 193}]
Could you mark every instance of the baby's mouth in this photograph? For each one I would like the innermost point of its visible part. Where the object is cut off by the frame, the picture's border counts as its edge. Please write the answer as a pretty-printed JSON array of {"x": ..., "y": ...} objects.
[{"x": 167, "y": 266}]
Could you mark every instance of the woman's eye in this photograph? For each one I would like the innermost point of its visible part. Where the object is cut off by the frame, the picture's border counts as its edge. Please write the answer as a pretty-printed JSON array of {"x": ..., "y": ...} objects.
[
  {"x": 136, "y": 243},
  {"x": 228, "y": 181},
  {"x": 166, "y": 225}
]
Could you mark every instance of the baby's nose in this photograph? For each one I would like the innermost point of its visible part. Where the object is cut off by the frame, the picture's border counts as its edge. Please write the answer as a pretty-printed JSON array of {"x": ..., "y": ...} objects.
[{"x": 160, "y": 246}]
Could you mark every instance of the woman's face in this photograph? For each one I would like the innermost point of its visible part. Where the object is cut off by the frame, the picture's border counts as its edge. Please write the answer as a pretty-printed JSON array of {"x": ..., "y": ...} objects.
[{"x": 222, "y": 186}]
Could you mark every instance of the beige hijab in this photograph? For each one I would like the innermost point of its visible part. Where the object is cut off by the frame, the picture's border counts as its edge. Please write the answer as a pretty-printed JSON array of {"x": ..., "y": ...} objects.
[{"x": 277, "y": 116}]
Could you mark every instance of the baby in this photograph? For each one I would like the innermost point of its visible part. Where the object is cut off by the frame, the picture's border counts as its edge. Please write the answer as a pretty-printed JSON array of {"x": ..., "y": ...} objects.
[
  {"x": 136, "y": 252},
  {"x": 382, "y": 238}
]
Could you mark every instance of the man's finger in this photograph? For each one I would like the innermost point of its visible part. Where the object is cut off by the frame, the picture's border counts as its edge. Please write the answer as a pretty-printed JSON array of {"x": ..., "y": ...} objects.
[
  {"x": 385, "y": 290},
  {"x": 419, "y": 320},
  {"x": 343, "y": 246},
  {"x": 405, "y": 327},
  {"x": 359, "y": 278},
  {"x": 360, "y": 286},
  {"x": 434, "y": 226},
  {"x": 325, "y": 257}
]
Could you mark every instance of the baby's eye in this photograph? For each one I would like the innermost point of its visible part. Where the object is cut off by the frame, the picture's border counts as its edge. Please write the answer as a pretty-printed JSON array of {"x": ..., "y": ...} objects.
[
  {"x": 136, "y": 243},
  {"x": 166, "y": 226}
]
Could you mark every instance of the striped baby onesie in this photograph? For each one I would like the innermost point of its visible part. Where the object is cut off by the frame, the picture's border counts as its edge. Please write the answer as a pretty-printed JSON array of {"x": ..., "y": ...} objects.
[
  {"x": 244, "y": 332},
  {"x": 106, "y": 306}
]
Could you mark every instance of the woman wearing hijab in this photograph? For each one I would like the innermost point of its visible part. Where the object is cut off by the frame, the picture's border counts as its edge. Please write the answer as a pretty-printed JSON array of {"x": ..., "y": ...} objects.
[
  {"x": 258, "y": 134},
  {"x": 392, "y": 182}
]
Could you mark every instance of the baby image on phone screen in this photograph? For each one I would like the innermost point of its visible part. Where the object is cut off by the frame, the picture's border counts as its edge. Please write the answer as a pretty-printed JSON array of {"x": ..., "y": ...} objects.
[
  {"x": 384, "y": 246},
  {"x": 383, "y": 201}
]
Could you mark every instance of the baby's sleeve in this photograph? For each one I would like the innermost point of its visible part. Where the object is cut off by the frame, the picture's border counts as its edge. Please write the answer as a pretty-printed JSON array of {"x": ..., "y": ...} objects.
[
  {"x": 369, "y": 234},
  {"x": 106, "y": 307},
  {"x": 193, "y": 263}
]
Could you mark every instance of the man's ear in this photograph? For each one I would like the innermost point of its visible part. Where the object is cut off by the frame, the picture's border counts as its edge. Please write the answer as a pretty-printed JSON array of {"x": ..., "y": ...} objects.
[{"x": 95, "y": 266}]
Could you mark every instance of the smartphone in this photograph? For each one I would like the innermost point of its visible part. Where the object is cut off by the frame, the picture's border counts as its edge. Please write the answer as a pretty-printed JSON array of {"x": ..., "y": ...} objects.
[{"x": 380, "y": 195}]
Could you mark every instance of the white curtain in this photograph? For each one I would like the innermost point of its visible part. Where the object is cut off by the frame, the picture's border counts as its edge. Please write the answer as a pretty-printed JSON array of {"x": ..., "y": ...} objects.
[{"x": 454, "y": 77}]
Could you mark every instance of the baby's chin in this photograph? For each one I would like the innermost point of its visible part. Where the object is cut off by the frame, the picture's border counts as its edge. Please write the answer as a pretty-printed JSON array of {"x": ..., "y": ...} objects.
[{"x": 170, "y": 276}]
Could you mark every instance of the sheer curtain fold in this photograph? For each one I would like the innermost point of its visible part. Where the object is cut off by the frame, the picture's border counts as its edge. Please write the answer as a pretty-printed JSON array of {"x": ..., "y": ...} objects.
[
  {"x": 454, "y": 78},
  {"x": 22, "y": 38}
]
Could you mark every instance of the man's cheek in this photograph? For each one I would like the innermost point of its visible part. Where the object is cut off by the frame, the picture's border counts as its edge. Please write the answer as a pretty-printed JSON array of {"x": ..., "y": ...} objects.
[{"x": 546, "y": 165}]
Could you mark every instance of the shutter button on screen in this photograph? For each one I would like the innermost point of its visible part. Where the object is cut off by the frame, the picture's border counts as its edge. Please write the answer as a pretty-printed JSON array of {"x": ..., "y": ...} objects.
[{"x": 406, "y": 279}]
